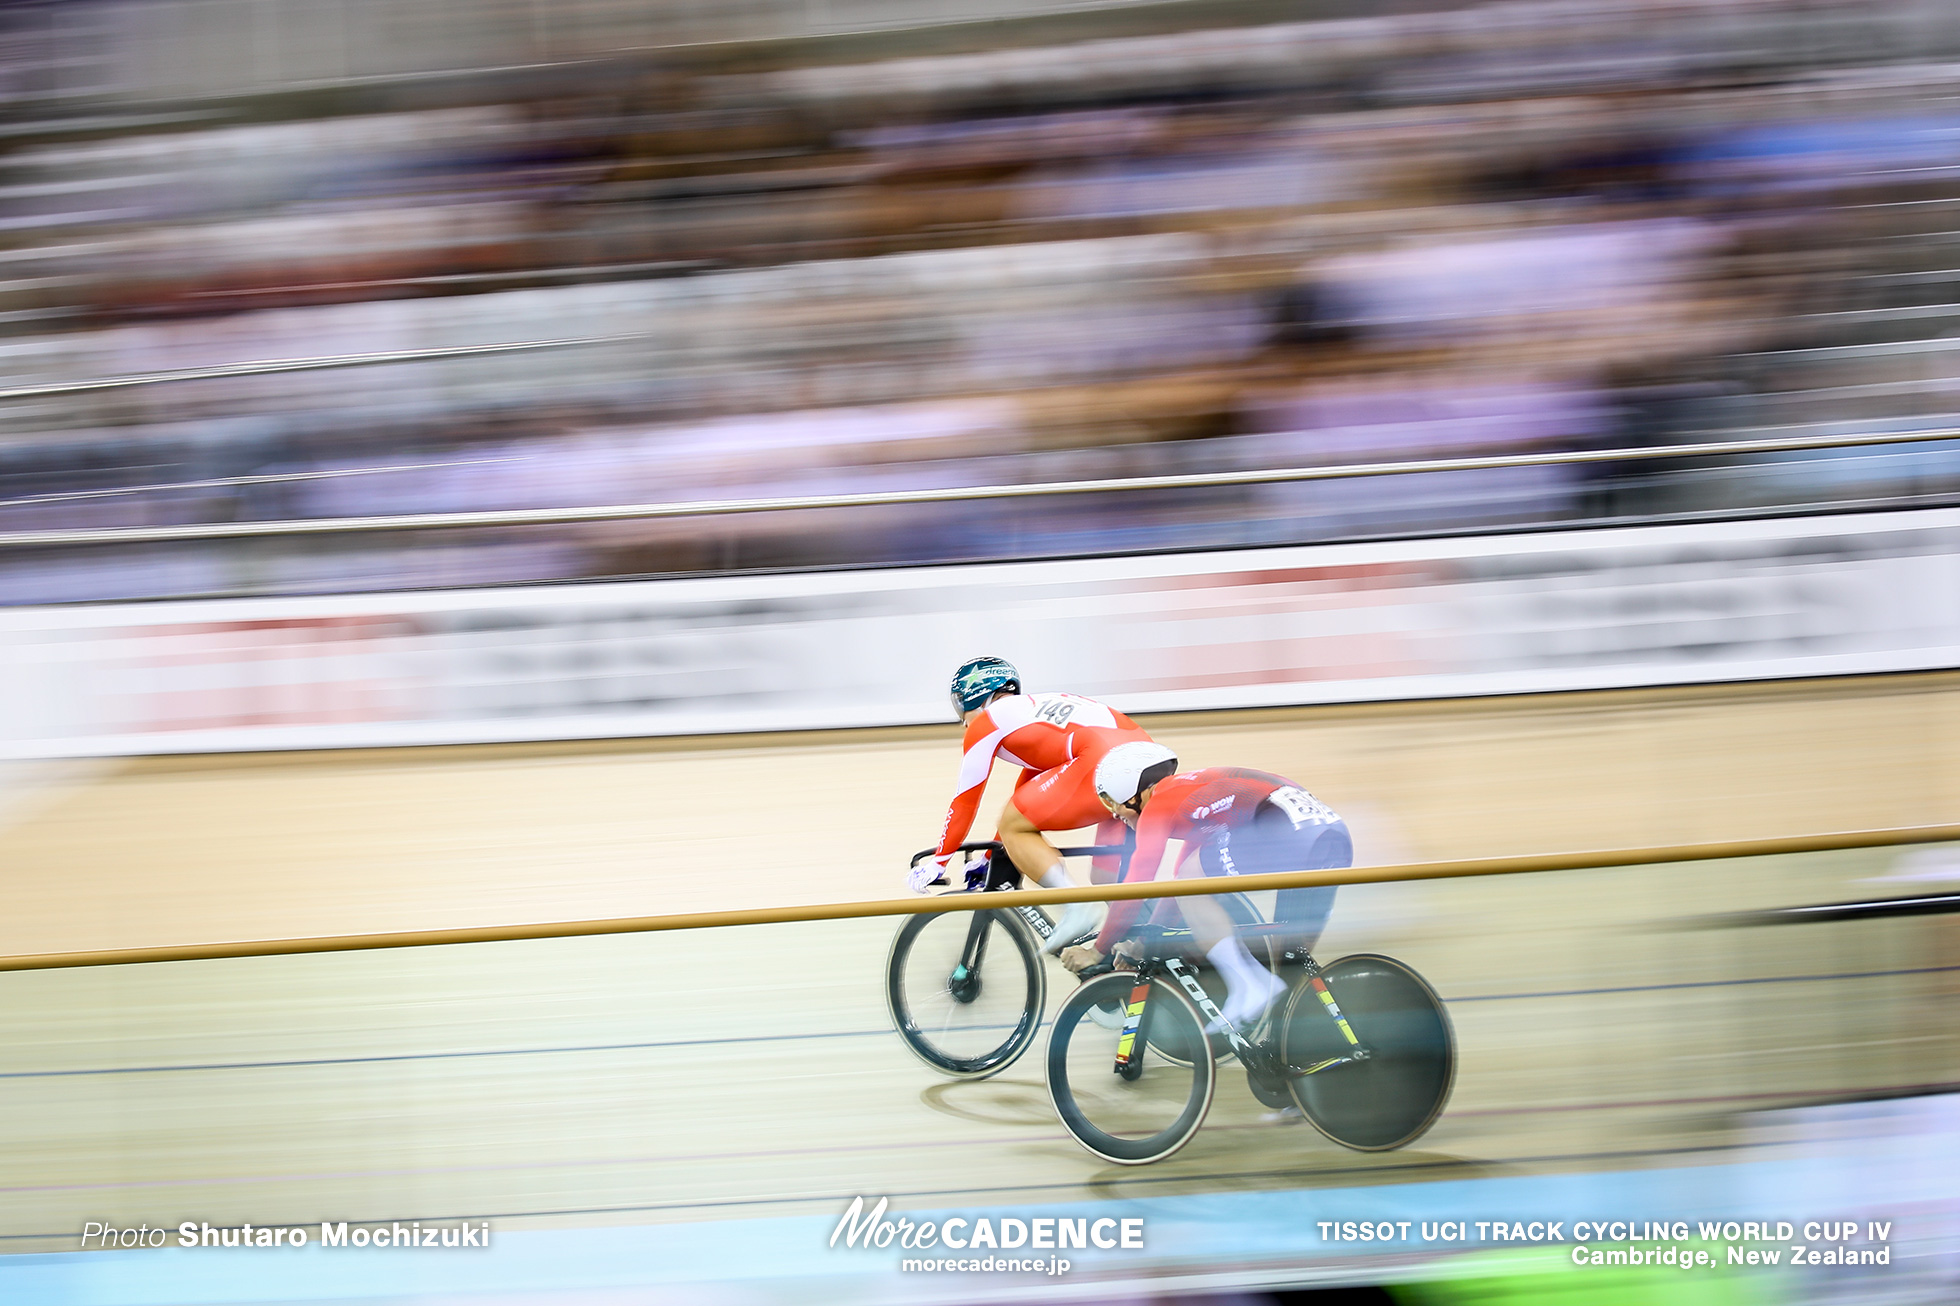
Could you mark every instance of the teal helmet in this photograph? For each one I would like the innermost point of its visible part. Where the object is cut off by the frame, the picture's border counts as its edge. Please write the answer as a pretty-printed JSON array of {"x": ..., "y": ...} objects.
[{"x": 978, "y": 680}]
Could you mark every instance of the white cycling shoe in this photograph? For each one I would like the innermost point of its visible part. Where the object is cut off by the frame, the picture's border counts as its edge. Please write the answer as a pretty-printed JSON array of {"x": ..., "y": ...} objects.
[
  {"x": 1108, "y": 1015},
  {"x": 1079, "y": 920},
  {"x": 1248, "y": 1002}
]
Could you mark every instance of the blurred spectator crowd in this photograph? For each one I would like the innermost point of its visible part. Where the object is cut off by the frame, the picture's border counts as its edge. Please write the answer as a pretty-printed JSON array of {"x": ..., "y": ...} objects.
[{"x": 842, "y": 247}]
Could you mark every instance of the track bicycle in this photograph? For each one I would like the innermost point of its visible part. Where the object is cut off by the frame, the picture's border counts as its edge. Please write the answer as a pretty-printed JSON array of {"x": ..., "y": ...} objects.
[
  {"x": 1362, "y": 1047},
  {"x": 967, "y": 988}
]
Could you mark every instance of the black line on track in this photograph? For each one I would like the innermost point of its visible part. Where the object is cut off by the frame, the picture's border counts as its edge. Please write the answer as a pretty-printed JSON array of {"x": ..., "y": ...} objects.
[
  {"x": 440, "y": 1056},
  {"x": 879, "y": 1033},
  {"x": 1707, "y": 984}
]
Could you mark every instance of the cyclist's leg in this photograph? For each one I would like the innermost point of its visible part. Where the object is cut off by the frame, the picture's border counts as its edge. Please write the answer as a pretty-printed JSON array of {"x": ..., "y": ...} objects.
[
  {"x": 1028, "y": 848},
  {"x": 1107, "y": 868},
  {"x": 1060, "y": 799},
  {"x": 1250, "y": 987},
  {"x": 1273, "y": 842},
  {"x": 1210, "y": 923},
  {"x": 1306, "y": 910}
]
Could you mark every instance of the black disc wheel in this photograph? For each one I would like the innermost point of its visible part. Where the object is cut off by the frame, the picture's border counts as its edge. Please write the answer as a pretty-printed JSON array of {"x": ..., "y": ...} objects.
[
  {"x": 966, "y": 990},
  {"x": 1114, "y": 1092},
  {"x": 1392, "y": 1097}
]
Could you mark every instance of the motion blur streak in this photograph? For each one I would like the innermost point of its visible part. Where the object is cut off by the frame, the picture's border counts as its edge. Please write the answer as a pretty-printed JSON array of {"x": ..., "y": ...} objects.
[
  {"x": 548, "y": 1085},
  {"x": 647, "y": 1077},
  {"x": 858, "y": 246},
  {"x": 864, "y": 247}
]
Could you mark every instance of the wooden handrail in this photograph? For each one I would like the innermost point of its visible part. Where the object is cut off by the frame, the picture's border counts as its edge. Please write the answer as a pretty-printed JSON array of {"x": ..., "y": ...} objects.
[{"x": 1528, "y": 865}]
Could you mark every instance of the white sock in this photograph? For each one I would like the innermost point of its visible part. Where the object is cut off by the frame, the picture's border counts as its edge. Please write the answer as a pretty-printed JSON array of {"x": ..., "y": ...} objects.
[
  {"x": 1076, "y": 919},
  {"x": 1056, "y": 878},
  {"x": 1244, "y": 978},
  {"x": 1235, "y": 963}
]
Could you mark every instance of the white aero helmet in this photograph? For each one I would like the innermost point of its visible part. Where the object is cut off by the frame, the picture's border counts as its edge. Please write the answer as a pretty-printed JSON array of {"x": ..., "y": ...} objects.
[{"x": 1128, "y": 769}]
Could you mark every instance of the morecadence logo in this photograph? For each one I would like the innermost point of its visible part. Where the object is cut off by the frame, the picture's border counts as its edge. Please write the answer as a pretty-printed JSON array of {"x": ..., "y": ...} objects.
[{"x": 870, "y": 1229}]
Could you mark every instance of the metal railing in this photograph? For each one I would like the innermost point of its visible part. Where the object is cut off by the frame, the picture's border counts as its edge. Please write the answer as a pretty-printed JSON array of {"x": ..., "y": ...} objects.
[
  {"x": 1529, "y": 865},
  {"x": 274, "y": 366},
  {"x": 732, "y": 507}
]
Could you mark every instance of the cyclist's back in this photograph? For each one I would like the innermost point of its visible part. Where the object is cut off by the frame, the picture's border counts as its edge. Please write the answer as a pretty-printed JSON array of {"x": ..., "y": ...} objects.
[
  {"x": 1217, "y": 821},
  {"x": 1056, "y": 740},
  {"x": 1242, "y": 822},
  {"x": 1042, "y": 734}
]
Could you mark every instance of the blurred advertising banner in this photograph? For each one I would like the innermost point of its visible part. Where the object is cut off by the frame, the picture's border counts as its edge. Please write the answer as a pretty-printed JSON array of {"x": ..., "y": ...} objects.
[{"x": 1320, "y": 624}]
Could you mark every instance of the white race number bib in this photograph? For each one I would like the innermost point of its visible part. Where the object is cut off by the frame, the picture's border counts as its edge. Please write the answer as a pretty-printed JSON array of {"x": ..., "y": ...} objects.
[{"x": 1301, "y": 807}]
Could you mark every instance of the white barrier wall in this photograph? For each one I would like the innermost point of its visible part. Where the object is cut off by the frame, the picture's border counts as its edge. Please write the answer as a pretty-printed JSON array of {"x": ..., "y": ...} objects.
[{"x": 1335, "y": 623}]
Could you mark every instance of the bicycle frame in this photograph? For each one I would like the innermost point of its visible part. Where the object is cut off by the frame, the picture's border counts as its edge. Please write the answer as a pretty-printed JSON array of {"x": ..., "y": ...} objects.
[{"x": 1260, "y": 1056}]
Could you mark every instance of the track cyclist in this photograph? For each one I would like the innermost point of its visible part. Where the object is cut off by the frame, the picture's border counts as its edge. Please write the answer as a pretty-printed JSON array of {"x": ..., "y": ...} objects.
[
  {"x": 1056, "y": 740},
  {"x": 1221, "y": 820}
]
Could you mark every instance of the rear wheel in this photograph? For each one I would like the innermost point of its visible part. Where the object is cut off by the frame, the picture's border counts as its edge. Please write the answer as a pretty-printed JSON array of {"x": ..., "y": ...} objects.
[
  {"x": 1391, "y": 1098},
  {"x": 966, "y": 990},
  {"x": 1144, "y": 1107}
]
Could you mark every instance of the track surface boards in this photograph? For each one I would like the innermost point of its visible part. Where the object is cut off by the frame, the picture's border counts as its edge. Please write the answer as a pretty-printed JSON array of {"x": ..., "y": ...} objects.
[{"x": 724, "y": 1073}]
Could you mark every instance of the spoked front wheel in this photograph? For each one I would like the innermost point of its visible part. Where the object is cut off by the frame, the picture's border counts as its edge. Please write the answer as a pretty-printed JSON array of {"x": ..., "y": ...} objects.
[
  {"x": 966, "y": 990},
  {"x": 1115, "y": 1092},
  {"x": 1390, "y": 1099}
]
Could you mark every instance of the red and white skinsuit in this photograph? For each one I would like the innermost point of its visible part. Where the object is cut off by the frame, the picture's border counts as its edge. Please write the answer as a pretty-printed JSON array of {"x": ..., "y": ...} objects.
[
  {"x": 1193, "y": 809},
  {"x": 1056, "y": 740}
]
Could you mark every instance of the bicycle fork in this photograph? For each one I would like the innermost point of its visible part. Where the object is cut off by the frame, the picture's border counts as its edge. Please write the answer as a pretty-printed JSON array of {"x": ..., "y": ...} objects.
[
  {"x": 1130, "y": 1045},
  {"x": 976, "y": 940},
  {"x": 964, "y": 982}
]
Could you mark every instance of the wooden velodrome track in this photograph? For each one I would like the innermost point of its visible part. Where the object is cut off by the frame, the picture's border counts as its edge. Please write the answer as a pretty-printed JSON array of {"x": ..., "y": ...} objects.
[{"x": 751, "y": 1072}]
